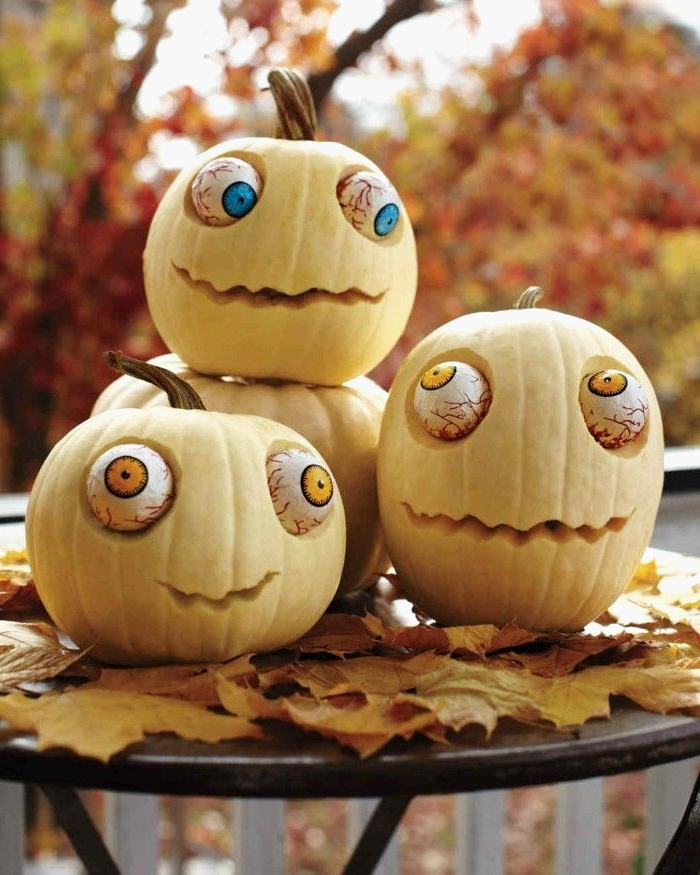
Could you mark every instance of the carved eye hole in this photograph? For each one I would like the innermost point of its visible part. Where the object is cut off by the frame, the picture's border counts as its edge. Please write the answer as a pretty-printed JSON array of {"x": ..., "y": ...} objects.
[
  {"x": 301, "y": 488},
  {"x": 370, "y": 203},
  {"x": 129, "y": 487},
  {"x": 225, "y": 190},
  {"x": 451, "y": 399},
  {"x": 615, "y": 407}
]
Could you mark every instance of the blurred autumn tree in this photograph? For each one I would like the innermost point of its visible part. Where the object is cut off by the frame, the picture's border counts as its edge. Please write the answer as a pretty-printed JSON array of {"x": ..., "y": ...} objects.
[{"x": 566, "y": 161}]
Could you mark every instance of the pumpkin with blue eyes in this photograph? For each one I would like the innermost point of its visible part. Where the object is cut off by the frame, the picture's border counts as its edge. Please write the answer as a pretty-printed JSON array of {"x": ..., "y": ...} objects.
[
  {"x": 184, "y": 535},
  {"x": 519, "y": 469},
  {"x": 281, "y": 258}
]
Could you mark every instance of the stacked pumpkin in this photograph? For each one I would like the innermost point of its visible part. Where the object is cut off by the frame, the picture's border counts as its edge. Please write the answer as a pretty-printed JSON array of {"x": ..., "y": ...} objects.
[
  {"x": 518, "y": 469},
  {"x": 278, "y": 271}
]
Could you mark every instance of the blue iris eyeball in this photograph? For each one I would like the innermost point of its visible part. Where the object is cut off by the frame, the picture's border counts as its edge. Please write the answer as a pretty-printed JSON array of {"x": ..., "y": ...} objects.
[
  {"x": 369, "y": 203},
  {"x": 386, "y": 220},
  {"x": 239, "y": 199},
  {"x": 225, "y": 190}
]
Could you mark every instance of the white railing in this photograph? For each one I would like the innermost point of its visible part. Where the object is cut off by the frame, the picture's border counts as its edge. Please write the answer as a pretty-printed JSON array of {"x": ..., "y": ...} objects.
[{"x": 132, "y": 830}]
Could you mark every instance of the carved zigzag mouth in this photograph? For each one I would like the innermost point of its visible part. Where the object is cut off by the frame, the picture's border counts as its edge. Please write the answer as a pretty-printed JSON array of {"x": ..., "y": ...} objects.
[
  {"x": 189, "y": 600},
  {"x": 555, "y": 530},
  {"x": 266, "y": 296}
]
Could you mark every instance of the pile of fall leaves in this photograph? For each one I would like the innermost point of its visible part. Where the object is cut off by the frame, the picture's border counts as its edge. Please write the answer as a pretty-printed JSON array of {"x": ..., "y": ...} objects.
[{"x": 371, "y": 670}]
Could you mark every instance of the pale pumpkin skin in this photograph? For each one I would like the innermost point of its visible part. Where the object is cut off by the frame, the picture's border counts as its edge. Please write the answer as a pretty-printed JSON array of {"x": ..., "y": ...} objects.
[
  {"x": 465, "y": 520},
  {"x": 342, "y": 422},
  {"x": 216, "y": 576},
  {"x": 296, "y": 239}
]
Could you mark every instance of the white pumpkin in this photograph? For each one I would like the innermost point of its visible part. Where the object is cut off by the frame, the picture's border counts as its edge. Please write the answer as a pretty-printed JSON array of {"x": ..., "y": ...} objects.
[{"x": 502, "y": 495}]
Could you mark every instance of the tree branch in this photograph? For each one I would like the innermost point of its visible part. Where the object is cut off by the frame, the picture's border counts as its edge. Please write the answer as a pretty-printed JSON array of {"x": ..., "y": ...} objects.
[{"x": 359, "y": 42}]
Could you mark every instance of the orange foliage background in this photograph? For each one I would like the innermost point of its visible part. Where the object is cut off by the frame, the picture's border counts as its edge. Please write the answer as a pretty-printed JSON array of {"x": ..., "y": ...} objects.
[{"x": 568, "y": 161}]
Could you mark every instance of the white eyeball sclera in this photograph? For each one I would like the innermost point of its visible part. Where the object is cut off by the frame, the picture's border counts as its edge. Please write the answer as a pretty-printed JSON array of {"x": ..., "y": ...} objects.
[
  {"x": 370, "y": 203},
  {"x": 615, "y": 407},
  {"x": 225, "y": 190},
  {"x": 451, "y": 399},
  {"x": 129, "y": 487},
  {"x": 301, "y": 488}
]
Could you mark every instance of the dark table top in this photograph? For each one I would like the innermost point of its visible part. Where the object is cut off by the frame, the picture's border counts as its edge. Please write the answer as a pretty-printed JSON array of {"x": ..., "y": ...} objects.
[{"x": 293, "y": 764}]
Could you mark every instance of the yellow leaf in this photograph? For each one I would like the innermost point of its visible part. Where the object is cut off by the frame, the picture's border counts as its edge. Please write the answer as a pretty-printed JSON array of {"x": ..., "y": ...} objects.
[
  {"x": 365, "y": 727},
  {"x": 99, "y": 723},
  {"x": 247, "y": 702}
]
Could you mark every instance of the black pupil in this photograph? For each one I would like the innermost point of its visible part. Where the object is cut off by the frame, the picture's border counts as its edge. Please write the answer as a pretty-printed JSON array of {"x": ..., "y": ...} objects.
[{"x": 125, "y": 475}]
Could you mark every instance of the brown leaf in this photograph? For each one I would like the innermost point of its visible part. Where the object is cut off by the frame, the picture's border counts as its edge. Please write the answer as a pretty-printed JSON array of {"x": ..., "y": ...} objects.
[
  {"x": 192, "y": 683},
  {"x": 338, "y": 634},
  {"x": 17, "y": 589},
  {"x": 99, "y": 723},
  {"x": 566, "y": 655}
]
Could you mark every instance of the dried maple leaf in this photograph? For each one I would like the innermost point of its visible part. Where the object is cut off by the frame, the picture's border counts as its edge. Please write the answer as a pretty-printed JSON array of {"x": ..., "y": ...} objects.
[
  {"x": 340, "y": 634},
  {"x": 192, "y": 683},
  {"x": 99, "y": 723},
  {"x": 569, "y": 653},
  {"x": 387, "y": 675},
  {"x": 664, "y": 591},
  {"x": 32, "y": 652},
  {"x": 462, "y": 693},
  {"x": 17, "y": 590},
  {"x": 366, "y": 726}
]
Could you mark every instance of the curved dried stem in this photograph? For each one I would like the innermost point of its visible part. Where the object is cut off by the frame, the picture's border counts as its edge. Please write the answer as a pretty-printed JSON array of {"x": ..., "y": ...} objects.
[
  {"x": 295, "y": 106},
  {"x": 180, "y": 394},
  {"x": 529, "y": 298}
]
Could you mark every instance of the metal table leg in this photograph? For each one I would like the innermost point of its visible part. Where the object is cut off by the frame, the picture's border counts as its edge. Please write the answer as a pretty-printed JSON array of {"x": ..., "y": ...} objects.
[
  {"x": 82, "y": 832},
  {"x": 376, "y": 835},
  {"x": 682, "y": 856}
]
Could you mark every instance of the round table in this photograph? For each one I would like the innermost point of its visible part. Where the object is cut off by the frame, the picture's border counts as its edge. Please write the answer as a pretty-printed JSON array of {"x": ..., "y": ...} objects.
[{"x": 291, "y": 764}]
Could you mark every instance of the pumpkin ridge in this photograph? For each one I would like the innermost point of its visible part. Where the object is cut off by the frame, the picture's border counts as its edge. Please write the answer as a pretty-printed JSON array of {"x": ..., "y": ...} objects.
[
  {"x": 553, "y": 529},
  {"x": 186, "y": 599},
  {"x": 269, "y": 296}
]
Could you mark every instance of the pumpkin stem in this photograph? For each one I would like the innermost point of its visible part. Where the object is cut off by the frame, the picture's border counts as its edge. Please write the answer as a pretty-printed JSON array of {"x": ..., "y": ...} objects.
[
  {"x": 295, "y": 106},
  {"x": 529, "y": 298},
  {"x": 180, "y": 394}
]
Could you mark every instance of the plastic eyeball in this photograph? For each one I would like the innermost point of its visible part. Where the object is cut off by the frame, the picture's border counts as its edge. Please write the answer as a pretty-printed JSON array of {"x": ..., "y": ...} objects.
[
  {"x": 451, "y": 399},
  {"x": 370, "y": 203},
  {"x": 301, "y": 488},
  {"x": 615, "y": 407},
  {"x": 225, "y": 190},
  {"x": 129, "y": 487}
]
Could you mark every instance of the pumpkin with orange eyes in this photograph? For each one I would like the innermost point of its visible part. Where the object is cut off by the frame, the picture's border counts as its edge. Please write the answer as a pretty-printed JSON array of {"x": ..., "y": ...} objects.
[
  {"x": 342, "y": 422},
  {"x": 520, "y": 469},
  {"x": 183, "y": 535},
  {"x": 284, "y": 258}
]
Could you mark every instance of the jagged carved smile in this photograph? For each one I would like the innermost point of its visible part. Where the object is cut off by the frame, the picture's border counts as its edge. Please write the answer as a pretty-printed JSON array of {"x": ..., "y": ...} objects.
[
  {"x": 266, "y": 296},
  {"x": 190, "y": 600},
  {"x": 553, "y": 529}
]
